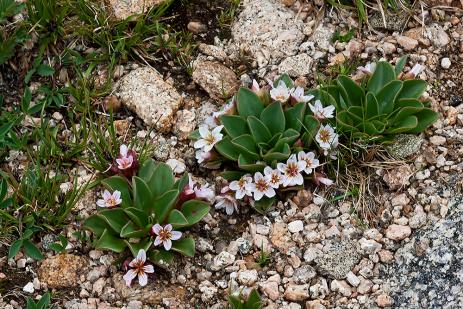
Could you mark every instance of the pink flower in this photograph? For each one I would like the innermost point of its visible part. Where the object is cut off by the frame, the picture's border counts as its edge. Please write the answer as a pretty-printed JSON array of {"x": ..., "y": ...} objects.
[
  {"x": 125, "y": 159},
  {"x": 110, "y": 200},
  {"x": 319, "y": 179},
  {"x": 193, "y": 190},
  {"x": 262, "y": 186},
  {"x": 165, "y": 235},
  {"x": 138, "y": 268},
  {"x": 226, "y": 200},
  {"x": 292, "y": 171}
]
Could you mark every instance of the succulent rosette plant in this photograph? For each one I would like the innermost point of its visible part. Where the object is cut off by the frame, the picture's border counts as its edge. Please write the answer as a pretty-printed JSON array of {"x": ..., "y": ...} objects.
[
  {"x": 148, "y": 213},
  {"x": 384, "y": 103},
  {"x": 261, "y": 129}
]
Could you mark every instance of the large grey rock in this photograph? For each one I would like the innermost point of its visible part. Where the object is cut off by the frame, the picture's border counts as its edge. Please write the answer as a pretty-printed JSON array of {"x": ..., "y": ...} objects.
[
  {"x": 121, "y": 9},
  {"x": 146, "y": 93},
  {"x": 296, "y": 66},
  {"x": 339, "y": 260},
  {"x": 269, "y": 30}
]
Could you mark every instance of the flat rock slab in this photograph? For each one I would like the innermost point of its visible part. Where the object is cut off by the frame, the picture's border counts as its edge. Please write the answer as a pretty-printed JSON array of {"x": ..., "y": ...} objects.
[
  {"x": 216, "y": 79},
  {"x": 146, "y": 93},
  {"x": 269, "y": 30},
  {"x": 62, "y": 270},
  {"x": 121, "y": 9},
  {"x": 339, "y": 260}
]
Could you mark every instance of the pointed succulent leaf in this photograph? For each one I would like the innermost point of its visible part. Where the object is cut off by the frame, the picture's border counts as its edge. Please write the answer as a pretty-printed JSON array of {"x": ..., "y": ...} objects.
[
  {"x": 119, "y": 183},
  {"x": 294, "y": 116},
  {"x": 181, "y": 183},
  {"x": 235, "y": 302},
  {"x": 400, "y": 65},
  {"x": 403, "y": 126},
  {"x": 227, "y": 149},
  {"x": 234, "y": 125},
  {"x": 412, "y": 89},
  {"x": 407, "y": 103},
  {"x": 177, "y": 219},
  {"x": 274, "y": 118},
  {"x": 248, "y": 103},
  {"x": 195, "y": 210},
  {"x": 144, "y": 244},
  {"x": 356, "y": 113},
  {"x": 264, "y": 204},
  {"x": 96, "y": 224},
  {"x": 232, "y": 175},
  {"x": 246, "y": 144},
  {"x": 259, "y": 130},
  {"x": 311, "y": 125},
  {"x": 253, "y": 301},
  {"x": 289, "y": 136},
  {"x": 248, "y": 164},
  {"x": 369, "y": 128},
  {"x": 277, "y": 155},
  {"x": 161, "y": 258},
  {"x": 31, "y": 250},
  {"x": 286, "y": 79},
  {"x": 404, "y": 113},
  {"x": 372, "y": 108},
  {"x": 185, "y": 246},
  {"x": 344, "y": 120},
  {"x": 384, "y": 73},
  {"x": 352, "y": 93},
  {"x": 334, "y": 92},
  {"x": 115, "y": 218},
  {"x": 194, "y": 135},
  {"x": 164, "y": 204},
  {"x": 387, "y": 96},
  {"x": 162, "y": 180},
  {"x": 379, "y": 125},
  {"x": 14, "y": 248},
  {"x": 110, "y": 242},
  {"x": 275, "y": 139},
  {"x": 143, "y": 196},
  {"x": 131, "y": 230},
  {"x": 425, "y": 118},
  {"x": 147, "y": 169}
]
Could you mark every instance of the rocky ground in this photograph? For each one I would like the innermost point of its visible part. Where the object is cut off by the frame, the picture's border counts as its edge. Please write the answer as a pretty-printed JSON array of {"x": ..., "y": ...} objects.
[{"x": 321, "y": 254}]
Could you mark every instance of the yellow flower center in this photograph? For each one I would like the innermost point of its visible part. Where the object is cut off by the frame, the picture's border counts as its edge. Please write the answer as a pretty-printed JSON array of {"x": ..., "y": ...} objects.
[
  {"x": 165, "y": 235},
  {"x": 262, "y": 185},
  {"x": 325, "y": 136}
]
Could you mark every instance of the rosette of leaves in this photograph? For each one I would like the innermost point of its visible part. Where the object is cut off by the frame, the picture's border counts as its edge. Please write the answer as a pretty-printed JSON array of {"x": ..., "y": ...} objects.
[
  {"x": 381, "y": 106},
  {"x": 151, "y": 197}
]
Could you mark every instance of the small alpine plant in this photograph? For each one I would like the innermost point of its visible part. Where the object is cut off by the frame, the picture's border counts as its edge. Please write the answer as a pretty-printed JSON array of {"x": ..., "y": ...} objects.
[
  {"x": 148, "y": 214},
  {"x": 270, "y": 139}
]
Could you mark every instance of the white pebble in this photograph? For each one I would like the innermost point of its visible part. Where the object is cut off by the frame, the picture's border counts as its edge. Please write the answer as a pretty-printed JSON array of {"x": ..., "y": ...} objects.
[
  {"x": 29, "y": 288},
  {"x": 296, "y": 226},
  {"x": 445, "y": 63}
]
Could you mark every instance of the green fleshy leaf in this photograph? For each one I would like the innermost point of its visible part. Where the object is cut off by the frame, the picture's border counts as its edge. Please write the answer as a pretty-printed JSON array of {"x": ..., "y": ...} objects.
[
  {"x": 14, "y": 248},
  {"x": 311, "y": 125},
  {"x": 408, "y": 103},
  {"x": 253, "y": 301},
  {"x": 248, "y": 103},
  {"x": 412, "y": 89},
  {"x": 110, "y": 242},
  {"x": 162, "y": 258},
  {"x": 115, "y": 218},
  {"x": 147, "y": 169},
  {"x": 384, "y": 74},
  {"x": 248, "y": 164},
  {"x": 142, "y": 194},
  {"x": 119, "y": 183},
  {"x": 295, "y": 116},
  {"x": 259, "y": 130},
  {"x": 182, "y": 182},
  {"x": 138, "y": 216},
  {"x": 130, "y": 230},
  {"x": 404, "y": 113},
  {"x": 234, "y": 125},
  {"x": 177, "y": 219},
  {"x": 227, "y": 149},
  {"x": 232, "y": 175},
  {"x": 162, "y": 180},
  {"x": 96, "y": 224},
  {"x": 264, "y": 204},
  {"x": 246, "y": 144},
  {"x": 405, "y": 125},
  {"x": 194, "y": 136},
  {"x": 144, "y": 244},
  {"x": 400, "y": 65},
  {"x": 425, "y": 118},
  {"x": 372, "y": 108},
  {"x": 32, "y": 251},
  {"x": 185, "y": 246},
  {"x": 195, "y": 210},
  {"x": 386, "y": 96},
  {"x": 164, "y": 204},
  {"x": 286, "y": 79},
  {"x": 352, "y": 93},
  {"x": 274, "y": 118},
  {"x": 280, "y": 155}
]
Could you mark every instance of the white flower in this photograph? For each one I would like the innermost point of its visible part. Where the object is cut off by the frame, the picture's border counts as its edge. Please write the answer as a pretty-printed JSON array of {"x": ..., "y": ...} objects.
[
  {"x": 292, "y": 171},
  {"x": 165, "y": 235},
  {"x": 208, "y": 138},
  {"x": 255, "y": 86},
  {"x": 416, "y": 70},
  {"x": 125, "y": 160},
  {"x": 202, "y": 155},
  {"x": 241, "y": 186},
  {"x": 226, "y": 201},
  {"x": 211, "y": 121},
  {"x": 280, "y": 93},
  {"x": 321, "y": 112},
  {"x": 201, "y": 192},
  {"x": 368, "y": 68},
  {"x": 261, "y": 186},
  {"x": 275, "y": 176},
  {"x": 326, "y": 137},
  {"x": 298, "y": 95},
  {"x": 309, "y": 158},
  {"x": 110, "y": 200},
  {"x": 138, "y": 268}
]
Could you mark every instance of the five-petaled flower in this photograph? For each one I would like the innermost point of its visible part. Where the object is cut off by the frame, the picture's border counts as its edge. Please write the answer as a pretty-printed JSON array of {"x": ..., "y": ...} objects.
[
  {"x": 309, "y": 158},
  {"x": 416, "y": 70},
  {"x": 275, "y": 177},
  {"x": 369, "y": 68},
  {"x": 261, "y": 186},
  {"x": 208, "y": 137},
  {"x": 280, "y": 93},
  {"x": 227, "y": 201},
  {"x": 109, "y": 200},
  {"x": 138, "y": 268},
  {"x": 242, "y": 186},
  {"x": 292, "y": 171},
  {"x": 297, "y": 94},
  {"x": 326, "y": 137},
  {"x": 165, "y": 235},
  {"x": 321, "y": 112},
  {"x": 125, "y": 159}
]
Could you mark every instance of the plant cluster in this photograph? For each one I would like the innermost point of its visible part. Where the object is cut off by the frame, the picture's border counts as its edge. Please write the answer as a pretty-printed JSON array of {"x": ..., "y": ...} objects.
[
  {"x": 145, "y": 209},
  {"x": 269, "y": 133},
  {"x": 384, "y": 103}
]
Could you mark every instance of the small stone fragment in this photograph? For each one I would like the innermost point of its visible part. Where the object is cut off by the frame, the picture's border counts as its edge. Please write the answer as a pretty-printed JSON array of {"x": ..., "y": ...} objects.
[{"x": 398, "y": 232}]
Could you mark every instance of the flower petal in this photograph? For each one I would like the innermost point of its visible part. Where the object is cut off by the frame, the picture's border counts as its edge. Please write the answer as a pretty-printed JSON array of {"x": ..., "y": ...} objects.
[
  {"x": 141, "y": 255},
  {"x": 200, "y": 143},
  {"x": 129, "y": 276},
  {"x": 168, "y": 227},
  {"x": 157, "y": 241},
  {"x": 148, "y": 269},
  {"x": 123, "y": 150},
  {"x": 156, "y": 229},
  {"x": 142, "y": 279},
  {"x": 203, "y": 131},
  {"x": 167, "y": 244},
  {"x": 175, "y": 235}
]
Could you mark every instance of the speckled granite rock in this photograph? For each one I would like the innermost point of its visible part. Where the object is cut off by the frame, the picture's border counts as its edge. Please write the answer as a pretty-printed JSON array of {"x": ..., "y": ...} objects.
[
  {"x": 216, "y": 79},
  {"x": 146, "y": 93},
  {"x": 269, "y": 30},
  {"x": 405, "y": 146},
  {"x": 339, "y": 260},
  {"x": 428, "y": 272},
  {"x": 62, "y": 270},
  {"x": 121, "y": 9},
  {"x": 296, "y": 66}
]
